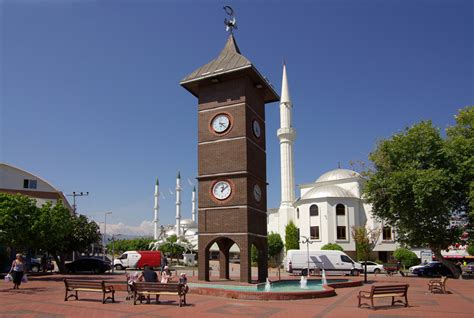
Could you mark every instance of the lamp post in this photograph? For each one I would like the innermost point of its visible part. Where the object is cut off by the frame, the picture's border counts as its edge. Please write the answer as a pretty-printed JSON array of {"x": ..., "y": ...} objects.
[
  {"x": 113, "y": 250},
  {"x": 105, "y": 233},
  {"x": 307, "y": 241}
]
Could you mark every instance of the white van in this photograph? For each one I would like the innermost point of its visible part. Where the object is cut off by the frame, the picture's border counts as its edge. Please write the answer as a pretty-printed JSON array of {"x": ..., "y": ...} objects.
[{"x": 333, "y": 262}]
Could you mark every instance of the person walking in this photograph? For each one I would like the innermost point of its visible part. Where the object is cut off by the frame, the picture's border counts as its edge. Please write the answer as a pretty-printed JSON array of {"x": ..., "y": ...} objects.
[{"x": 18, "y": 270}]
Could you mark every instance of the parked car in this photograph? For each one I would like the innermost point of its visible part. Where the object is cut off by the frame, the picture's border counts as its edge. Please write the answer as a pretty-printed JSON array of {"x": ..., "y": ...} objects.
[
  {"x": 372, "y": 267},
  {"x": 416, "y": 267},
  {"x": 468, "y": 269},
  {"x": 433, "y": 269},
  {"x": 333, "y": 262},
  {"x": 93, "y": 265}
]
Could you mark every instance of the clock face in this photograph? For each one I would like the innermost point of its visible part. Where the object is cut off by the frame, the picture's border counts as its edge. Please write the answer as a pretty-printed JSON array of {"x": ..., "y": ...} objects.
[
  {"x": 221, "y": 190},
  {"x": 257, "y": 193},
  {"x": 256, "y": 129},
  {"x": 220, "y": 123}
]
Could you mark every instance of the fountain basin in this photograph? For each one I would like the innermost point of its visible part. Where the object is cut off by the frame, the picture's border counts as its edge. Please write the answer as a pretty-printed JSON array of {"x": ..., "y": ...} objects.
[{"x": 280, "y": 290}]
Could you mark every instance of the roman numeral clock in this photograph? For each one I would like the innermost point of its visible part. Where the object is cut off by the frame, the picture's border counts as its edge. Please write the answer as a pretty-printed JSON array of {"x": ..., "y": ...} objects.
[{"x": 231, "y": 160}]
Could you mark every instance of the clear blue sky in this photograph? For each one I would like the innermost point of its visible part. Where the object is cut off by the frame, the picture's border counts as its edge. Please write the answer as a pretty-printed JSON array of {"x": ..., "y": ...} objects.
[{"x": 91, "y": 101}]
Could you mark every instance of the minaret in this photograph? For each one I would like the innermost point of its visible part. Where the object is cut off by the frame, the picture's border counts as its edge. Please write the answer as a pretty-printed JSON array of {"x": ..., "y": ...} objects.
[
  {"x": 287, "y": 135},
  {"x": 156, "y": 208},
  {"x": 193, "y": 205},
  {"x": 178, "y": 205}
]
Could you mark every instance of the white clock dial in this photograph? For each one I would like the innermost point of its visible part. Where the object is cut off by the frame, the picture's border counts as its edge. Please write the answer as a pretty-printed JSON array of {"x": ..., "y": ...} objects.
[
  {"x": 221, "y": 190},
  {"x": 257, "y": 193},
  {"x": 220, "y": 123},
  {"x": 256, "y": 129}
]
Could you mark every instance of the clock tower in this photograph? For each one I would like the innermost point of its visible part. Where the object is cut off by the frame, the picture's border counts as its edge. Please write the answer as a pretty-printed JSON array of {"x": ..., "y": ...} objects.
[{"x": 232, "y": 201}]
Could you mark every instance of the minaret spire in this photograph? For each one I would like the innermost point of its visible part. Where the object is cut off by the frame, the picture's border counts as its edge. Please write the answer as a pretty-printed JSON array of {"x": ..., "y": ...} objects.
[
  {"x": 178, "y": 205},
  {"x": 287, "y": 135},
  {"x": 156, "y": 209},
  {"x": 193, "y": 205}
]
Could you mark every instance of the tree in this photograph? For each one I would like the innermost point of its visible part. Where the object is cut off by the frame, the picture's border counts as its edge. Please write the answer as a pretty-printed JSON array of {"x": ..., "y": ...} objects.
[
  {"x": 275, "y": 246},
  {"x": 405, "y": 256},
  {"x": 460, "y": 150},
  {"x": 138, "y": 244},
  {"x": 470, "y": 250},
  {"x": 172, "y": 247},
  {"x": 16, "y": 214},
  {"x": 332, "y": 247},
  {"x": 365, "y": 241},
  {"x": 291, "y": 237},
  {"x": 412, "y": 187}
]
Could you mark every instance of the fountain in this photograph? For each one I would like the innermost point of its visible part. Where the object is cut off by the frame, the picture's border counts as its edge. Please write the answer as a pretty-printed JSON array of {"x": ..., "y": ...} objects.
[
  {"x": 303, "y": 282},
  {"x": 324, "y": 280},
  {"x": 268, "y": 285}
]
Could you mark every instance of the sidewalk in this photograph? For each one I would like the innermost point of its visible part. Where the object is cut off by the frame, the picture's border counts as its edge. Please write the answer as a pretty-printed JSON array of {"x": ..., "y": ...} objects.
[{"x": 43, "y": 296}]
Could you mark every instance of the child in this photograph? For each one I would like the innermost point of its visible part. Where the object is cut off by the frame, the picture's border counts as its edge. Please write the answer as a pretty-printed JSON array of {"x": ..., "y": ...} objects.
[{"x": 183, "y": 280}]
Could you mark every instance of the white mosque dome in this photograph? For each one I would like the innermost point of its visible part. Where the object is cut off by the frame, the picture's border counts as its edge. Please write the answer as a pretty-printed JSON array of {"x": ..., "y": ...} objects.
[
  {"x": 188, "y": 223},
  {"x": 328, "y": 191},
  {"x": 170, "y": 232},
  {"x": 338, "y": 174}
]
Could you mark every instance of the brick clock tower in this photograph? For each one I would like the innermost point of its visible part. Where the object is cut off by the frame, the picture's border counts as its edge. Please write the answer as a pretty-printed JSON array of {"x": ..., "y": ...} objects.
[{"x": 232, "y": 176}]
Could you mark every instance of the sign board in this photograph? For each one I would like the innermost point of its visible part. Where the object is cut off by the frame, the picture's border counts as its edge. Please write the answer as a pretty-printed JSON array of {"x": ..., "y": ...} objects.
[{"x": 426, "y": 256}]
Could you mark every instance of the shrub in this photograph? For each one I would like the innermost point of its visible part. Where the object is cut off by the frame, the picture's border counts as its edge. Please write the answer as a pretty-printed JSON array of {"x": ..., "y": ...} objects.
[
  {"x": 332, "y": 246},
  {"x": 405, "y": 256}
]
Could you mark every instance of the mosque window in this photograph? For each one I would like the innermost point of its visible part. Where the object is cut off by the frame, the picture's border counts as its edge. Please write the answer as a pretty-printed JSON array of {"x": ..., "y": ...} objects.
[
  {"x": 340, "y": 209},
  {"x": 297, "y": 213},
  {"x": 387, "y": 233},
  {"x": 341, "y": 233},
  {"x": 313, "y": 210},
  {"x": 314, "y": 232}
]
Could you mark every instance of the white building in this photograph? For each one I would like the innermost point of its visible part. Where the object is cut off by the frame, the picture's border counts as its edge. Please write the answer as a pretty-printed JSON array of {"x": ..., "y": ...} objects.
[
  {"x": 14, "y": 180},
  {"x": 328, "y": 208}
]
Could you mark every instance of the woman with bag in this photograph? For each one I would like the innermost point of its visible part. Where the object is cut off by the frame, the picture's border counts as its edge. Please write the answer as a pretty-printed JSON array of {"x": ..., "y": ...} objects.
[{"x": 17, "y": 270}]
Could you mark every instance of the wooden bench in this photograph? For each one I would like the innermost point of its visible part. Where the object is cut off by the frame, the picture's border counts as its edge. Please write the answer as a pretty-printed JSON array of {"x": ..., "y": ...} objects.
[
  {"x": 142, "y": 289},
  {"x": 74, "y": 285},
  {"x": 438, "y": 285},
  {"x": 379, "y": 291}
]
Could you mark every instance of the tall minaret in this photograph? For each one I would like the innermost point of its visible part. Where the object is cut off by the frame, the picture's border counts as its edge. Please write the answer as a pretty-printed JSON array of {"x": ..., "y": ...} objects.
[
  {"x": 178, "y": 205},
  {"x": 193, "y": 205},
  {"x": 287, "y": 135},
  {"x": 156, "y": 209}
]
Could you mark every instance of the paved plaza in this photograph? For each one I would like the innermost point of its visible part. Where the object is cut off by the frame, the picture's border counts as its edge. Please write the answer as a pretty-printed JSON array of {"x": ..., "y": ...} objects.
[{"x": 43, "y": 296}]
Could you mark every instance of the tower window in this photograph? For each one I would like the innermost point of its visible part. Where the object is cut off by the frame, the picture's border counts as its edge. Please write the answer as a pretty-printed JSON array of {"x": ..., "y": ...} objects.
[
  {"x": 387, "y": 233},
  {"x": 313, "y": 210},
  {"x": 297, "y": 213},
  {"x": 340, "y": 209},
  {"x": 314, "y": 232},
  {"x": 341, "y": 233}
]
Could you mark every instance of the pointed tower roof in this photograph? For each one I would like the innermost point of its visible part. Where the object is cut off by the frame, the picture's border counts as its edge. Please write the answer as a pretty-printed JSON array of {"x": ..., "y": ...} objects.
[
  {"x": 285, "y": 91},
  {"x": 229, "y": 60},
  {"x": 157, "y": 182},
  {"x": 179, "y": 175}
]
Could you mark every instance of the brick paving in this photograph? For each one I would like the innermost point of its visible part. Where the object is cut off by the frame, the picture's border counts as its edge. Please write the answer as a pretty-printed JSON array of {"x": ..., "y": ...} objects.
[{"x": 43, "y": 296}]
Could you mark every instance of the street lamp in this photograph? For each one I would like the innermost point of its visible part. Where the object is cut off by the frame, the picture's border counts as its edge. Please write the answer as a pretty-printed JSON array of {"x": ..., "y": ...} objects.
[
  {"x": 307, "y": 241},
  {"x": 113, "y": 249},
  {"x": 105, "y": 233}
]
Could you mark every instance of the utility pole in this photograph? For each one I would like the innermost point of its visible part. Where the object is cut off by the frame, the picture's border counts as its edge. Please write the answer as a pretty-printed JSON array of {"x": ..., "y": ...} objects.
[{"x": 74, "y": 195}]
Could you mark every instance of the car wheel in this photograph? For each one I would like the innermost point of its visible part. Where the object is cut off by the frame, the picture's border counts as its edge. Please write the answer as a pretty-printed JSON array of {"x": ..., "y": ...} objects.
[
  {"x": 96, "y": 270},
  {"x": 35, "y": 269},
  {"x": 354, "y": 272},
  {"x": 119, "y": 267},
  {"x": 304, "y": 272},
  {"x": 377, "y": 271}
]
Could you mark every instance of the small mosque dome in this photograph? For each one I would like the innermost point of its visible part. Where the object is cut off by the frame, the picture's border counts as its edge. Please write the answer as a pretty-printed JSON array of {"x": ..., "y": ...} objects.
[
  {"x": 328, "y": 191},
  {"x": 187, "y": 223},
  {"x": 170, "y": 232},
  {"x": 338, "y": 174}
]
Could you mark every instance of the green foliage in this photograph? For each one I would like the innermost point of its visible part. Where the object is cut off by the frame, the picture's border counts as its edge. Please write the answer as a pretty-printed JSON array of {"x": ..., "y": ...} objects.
[
  {"x": 406, "y": 257},
  {"x": 332, "y": 247},
  {"x": 17, "y": 212},
  {"x": 172, "y": 247},
  {"x": 419, "y": 180},
  {"x": 136, "y": 244},
  {"x": 291, "y": 237},
  {"x": 51, "y": 228},
  {"x": 365, "y": 241},
  {"x": 470, "y": 250},
  {"x": 275, "y": 245}
]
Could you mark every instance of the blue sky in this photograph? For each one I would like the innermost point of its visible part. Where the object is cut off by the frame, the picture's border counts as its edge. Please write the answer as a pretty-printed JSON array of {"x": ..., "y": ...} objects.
[{"x": 91, "y": 101}]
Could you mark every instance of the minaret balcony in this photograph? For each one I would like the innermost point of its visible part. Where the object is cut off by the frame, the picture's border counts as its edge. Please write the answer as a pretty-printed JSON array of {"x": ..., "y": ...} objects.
[{"x": 286, "y": 134}]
